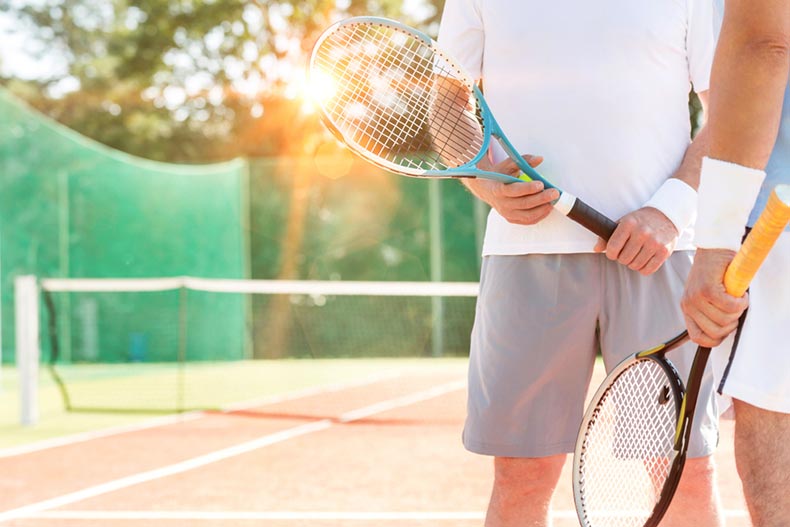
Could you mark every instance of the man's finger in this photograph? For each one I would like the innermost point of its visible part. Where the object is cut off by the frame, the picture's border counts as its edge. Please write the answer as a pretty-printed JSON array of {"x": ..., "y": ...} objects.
[
  {"x": 533, "y": 161},
  {"x": 600, "y": 246},
  {"x": 519, "y": 190},
  {"x": 642, "y": 258},
  {"x": 618, "y": 239},
  {"x": 536, "y": 200},
  {"x": 655, "y": 263},
  {"x": 531, "y": 216},
  {"x": 715, "y": 314},
  {"x": 508, "y": 166},
  {"x": 631, "y": 250},
  {"x": 699, "y": 337},
  {"x": 712, "y": 328},
  {"x": 731, "y": 304}
]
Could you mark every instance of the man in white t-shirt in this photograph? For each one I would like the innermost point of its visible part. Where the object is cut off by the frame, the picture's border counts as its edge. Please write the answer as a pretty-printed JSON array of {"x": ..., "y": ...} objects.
[{"x": 600, "y": 90}]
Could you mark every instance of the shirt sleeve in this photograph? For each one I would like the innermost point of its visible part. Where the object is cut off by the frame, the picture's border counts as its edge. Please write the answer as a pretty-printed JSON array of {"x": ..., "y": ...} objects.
[
  {"x": 701, "y": 42},
  {"x": 461, "y": 35}
]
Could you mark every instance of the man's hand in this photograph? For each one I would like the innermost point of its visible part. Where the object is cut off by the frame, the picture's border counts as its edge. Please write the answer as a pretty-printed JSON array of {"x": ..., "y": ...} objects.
[
  {"x": 710, "y": 312},
  {"x": 643, "y": 240},
  {"x": 522, "y": 203}
]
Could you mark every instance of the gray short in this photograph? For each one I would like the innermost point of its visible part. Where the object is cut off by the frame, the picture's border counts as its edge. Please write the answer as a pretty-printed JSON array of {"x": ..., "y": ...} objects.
[{"x": 540, "y": 322}]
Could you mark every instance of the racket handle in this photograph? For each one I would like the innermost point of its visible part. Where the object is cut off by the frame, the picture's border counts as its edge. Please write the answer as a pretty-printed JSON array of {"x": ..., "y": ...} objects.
[
  {"x": 588, "y": 217},
  {"x": 766, "y": 230},
  {"x": 580, "y": 212}
]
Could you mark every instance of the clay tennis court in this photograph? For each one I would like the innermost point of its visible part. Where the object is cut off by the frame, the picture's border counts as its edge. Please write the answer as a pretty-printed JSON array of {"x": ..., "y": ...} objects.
[{"x": 383, "y": 449}]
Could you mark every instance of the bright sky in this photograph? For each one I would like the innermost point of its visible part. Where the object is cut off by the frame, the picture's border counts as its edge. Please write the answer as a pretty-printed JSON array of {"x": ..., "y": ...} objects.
[
  {"x": 23, "y": 57},
  {"x": 18, "y": 57}
]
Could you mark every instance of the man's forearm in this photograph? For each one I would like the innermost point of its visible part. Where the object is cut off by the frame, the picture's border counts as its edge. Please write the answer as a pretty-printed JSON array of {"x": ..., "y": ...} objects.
[
  {"x": 748, "y": 82},
  {"x": 688, "y": 171},
  {"x": 678, "y": 201},
  {"x": 749, "y": 77}
]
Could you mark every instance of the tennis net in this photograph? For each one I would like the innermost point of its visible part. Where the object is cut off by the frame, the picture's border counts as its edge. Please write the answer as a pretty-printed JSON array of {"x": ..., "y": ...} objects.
[{"x": 176, "y": 344}]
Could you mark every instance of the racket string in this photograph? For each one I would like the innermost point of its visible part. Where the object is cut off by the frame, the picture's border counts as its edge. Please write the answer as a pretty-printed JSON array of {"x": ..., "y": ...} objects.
[
  {"x": 467, "y": 142},
  {"x": 627, "y": 451},
  {"x": 377, "y": 137},
  {"x": 387, "y": 99},
  {"x": 417, "y": 103},
  {"x": 352, "y": 105}
]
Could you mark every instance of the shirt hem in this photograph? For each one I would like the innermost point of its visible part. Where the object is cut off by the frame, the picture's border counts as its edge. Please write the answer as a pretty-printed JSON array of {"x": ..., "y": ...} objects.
[{"x": 512, "y": 250}]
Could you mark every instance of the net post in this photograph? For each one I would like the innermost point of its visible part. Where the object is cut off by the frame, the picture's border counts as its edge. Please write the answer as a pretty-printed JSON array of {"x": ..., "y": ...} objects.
[{"x": 27, "y": 346}]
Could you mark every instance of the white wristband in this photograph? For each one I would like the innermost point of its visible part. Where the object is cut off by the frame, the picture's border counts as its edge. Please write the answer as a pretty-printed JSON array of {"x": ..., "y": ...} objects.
[
  {"x": 727, "y": 193},
  {"x": 677, "y": 201}
]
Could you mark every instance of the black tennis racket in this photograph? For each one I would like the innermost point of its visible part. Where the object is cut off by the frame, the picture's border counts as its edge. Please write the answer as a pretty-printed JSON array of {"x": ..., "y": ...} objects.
[
  {"x": 394, "y": 98},
  {"x": 633, "y": 440}
]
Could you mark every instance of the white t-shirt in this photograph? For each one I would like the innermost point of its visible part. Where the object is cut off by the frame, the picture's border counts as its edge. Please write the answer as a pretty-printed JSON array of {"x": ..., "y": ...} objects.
[{"x": 600, "y": 89}]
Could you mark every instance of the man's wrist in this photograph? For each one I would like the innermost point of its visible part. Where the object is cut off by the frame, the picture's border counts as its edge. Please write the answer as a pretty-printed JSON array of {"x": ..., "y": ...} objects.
[
  {"x": 677, "y": 201},
  {"x": 727, "y": 193}
]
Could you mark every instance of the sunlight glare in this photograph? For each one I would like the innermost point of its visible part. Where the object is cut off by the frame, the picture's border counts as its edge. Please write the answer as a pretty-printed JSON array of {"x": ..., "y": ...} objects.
[
  {"x": 399, "y": 40},
  {"x": 356, "y": 111},
  {"x": 321, "y": 88},
  {"x": 371, "y": 48}
]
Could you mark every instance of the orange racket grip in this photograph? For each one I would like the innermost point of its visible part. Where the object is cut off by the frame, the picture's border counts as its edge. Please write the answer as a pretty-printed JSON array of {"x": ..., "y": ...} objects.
[{"x": 764, "y": 234}]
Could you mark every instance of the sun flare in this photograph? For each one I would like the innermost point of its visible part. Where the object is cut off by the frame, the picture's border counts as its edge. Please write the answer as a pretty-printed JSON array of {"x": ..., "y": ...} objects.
[{"x": 321, "y": 88}]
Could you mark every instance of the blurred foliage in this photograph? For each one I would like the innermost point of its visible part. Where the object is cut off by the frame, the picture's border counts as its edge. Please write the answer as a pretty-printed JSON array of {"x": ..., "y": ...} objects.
[
  {"x": 190, "y": 81},
  {"x": 696, "y": 113},
  {"x": 187, "y": 80}
]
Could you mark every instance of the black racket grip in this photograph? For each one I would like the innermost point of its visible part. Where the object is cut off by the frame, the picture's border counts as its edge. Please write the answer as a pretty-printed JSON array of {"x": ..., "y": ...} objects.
[{"x": 592, "y": 220}]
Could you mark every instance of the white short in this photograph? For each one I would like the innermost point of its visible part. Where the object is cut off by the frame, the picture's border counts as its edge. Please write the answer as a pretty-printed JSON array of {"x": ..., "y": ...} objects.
[{"x": 758, "y": 370}]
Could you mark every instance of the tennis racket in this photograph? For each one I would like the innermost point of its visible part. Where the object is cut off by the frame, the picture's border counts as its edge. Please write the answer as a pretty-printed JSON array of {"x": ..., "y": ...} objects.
[
  {"x": 633, "y": 440},
  {"x": 393, "y": 97}
]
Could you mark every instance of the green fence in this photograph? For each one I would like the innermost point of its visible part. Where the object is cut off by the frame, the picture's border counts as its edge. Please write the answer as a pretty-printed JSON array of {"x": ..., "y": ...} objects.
[
  {"x": 70, "y": 207},
  {"x": 357, "y": 223}
]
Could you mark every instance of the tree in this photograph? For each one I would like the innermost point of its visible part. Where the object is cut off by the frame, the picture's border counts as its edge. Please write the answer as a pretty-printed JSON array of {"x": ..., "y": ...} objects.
[{"x": 185, "y": 80}]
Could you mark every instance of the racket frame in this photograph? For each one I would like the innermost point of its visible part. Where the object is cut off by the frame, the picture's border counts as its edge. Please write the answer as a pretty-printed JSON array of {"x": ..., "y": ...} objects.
[
  {"x": 490, "y": 126},
  {"x": 680, "y": 395},
  {"x": 769, "y": 226}
]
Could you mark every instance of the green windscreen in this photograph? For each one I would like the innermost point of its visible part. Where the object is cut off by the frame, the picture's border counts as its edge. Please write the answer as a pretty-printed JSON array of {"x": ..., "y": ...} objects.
[
  {"x": 74, "y": 208},
  {"x": 71, "y": 207}
]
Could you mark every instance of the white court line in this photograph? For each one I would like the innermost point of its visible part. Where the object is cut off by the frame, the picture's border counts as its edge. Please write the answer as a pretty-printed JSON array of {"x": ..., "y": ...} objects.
[
  {"x": 310, "y": 391},
  {"x": 292, "y": 515},
  {"x": 254, "y": 515},
  {"x": 226, "y": 453},
  {"x": 190, "y": 416},
  {"x": 97, "y": 434},
  {"x": 405, "y": 400}
]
